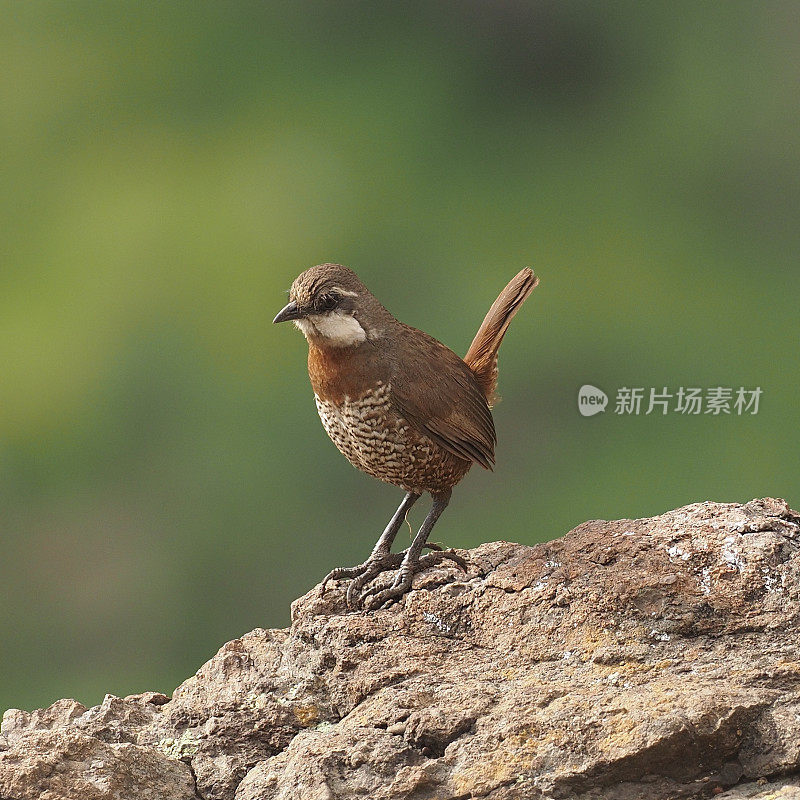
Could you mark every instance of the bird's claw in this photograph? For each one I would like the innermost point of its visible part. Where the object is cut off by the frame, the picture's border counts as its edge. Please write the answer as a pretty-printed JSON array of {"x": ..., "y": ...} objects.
[
  {"x": 376, "y": 566},
  {"x": 372, "y": 600},
  {"x": 379, "y": 595},
  {"x": 338, "y": 574},
  {"x": 361, "y": 574},
  {"x": 440, "y": 555}
]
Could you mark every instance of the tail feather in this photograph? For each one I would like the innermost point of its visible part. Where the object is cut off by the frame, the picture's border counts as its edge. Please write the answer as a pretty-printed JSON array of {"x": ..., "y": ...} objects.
[{"x": 481, "y": 357}]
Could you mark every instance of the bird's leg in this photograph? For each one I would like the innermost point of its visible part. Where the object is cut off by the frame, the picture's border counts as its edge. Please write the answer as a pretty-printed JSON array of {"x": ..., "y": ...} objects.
[
  {"x": 381, "y": 557},
  {"x": 411, "y": 562}
]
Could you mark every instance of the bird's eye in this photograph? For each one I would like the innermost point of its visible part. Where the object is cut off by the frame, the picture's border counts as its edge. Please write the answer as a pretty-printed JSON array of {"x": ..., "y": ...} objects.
[{"x": 327, "y": 303}]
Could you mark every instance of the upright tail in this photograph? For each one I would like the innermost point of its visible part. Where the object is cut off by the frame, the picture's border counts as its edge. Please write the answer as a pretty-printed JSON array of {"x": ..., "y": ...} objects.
[{"x": 481, "y": 357}]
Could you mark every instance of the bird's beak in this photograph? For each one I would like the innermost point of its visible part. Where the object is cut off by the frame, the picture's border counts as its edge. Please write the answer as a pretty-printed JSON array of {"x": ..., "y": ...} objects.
[{"x": 289, "y": 311}]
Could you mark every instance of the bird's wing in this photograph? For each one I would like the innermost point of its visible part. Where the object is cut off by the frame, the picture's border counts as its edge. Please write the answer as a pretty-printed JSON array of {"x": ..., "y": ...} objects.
[{"x": 436, "y": 392}]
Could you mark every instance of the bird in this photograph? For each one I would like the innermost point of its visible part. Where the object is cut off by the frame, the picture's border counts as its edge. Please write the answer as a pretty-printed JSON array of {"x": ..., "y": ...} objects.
[{"x": 400, "y": 406}]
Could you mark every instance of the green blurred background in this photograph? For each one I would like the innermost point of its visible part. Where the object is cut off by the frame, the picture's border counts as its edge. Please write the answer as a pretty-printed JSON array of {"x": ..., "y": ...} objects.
[{"x": 168, "y": 169}]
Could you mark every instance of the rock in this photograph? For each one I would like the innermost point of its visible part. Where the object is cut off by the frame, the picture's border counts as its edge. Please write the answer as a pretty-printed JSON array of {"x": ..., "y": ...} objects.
[
  {"x": 654, "y": 658},
  {"x": 64, "y": 763}
]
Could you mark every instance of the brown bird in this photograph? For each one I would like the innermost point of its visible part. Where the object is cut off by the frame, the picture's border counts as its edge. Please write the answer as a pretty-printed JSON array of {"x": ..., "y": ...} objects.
[{"x": 399, "y": 405}]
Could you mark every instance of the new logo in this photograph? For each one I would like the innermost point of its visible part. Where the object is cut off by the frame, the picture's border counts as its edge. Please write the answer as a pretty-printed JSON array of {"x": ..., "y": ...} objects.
[{"x": 591, "y": 400}]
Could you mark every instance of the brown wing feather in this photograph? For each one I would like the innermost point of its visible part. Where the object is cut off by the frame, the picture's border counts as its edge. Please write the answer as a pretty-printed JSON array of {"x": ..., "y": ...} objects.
[
  {"x": 445, "y": 401},
  {"x": 482, "y": 354}
]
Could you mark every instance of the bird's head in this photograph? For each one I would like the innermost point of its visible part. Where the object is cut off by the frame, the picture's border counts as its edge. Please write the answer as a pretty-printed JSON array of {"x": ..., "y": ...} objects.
[{"x": 332, "y": 307}]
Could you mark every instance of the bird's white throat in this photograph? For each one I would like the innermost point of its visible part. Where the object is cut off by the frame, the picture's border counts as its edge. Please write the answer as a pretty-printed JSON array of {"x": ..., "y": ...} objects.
[{"x": 338, "y": 329}]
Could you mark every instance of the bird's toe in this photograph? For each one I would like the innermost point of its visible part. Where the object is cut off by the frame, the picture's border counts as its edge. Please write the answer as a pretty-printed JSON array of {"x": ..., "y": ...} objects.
[
  {"x": 337, "y": 574},
  {"x": 361, "y": 574},
  {"x": 385, "y": 597}
]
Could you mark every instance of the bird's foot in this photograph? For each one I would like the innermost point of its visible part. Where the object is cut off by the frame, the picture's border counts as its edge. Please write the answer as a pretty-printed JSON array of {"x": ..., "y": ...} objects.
[
  {"x": 380, "y": 596},
  {"x": 361, "y": 574}
]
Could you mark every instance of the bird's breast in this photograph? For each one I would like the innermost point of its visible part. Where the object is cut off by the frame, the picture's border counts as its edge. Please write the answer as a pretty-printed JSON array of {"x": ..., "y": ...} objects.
[
  {"x": 353, "y": 394},
  {"x": 337, "y": 373},
  {"x": 376, "y": 439},
  {"x": 365, "y": 428}
]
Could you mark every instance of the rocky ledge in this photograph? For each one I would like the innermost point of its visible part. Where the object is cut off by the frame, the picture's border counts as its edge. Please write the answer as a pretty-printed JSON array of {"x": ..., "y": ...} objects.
[{"x": 652, "y": 658}]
